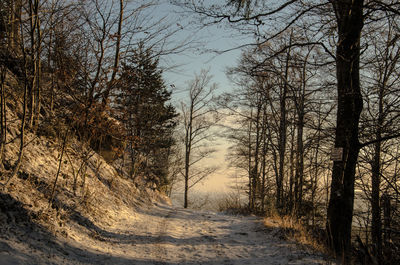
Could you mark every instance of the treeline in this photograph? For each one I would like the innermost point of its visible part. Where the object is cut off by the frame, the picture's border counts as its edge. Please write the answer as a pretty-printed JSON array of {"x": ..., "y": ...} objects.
[
  {"x": 283, "y": 131},
  {"x": 89, "y": 70},
  {"x": 318, "y": 82}
]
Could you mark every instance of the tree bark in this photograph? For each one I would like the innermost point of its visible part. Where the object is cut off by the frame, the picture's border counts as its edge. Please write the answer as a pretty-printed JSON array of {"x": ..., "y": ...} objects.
[
  {"x": 376, "y": 224},
  {"x": 249, "y": 161},
  {"x": 255, "y": 171},
  {"x": 33, "y": 73},
  {"x": 3, "y": 117},
  {"x": 53, "y": 190},
  {"x": 282, "y": 132},
  {"x": 188, "y": 148},
  {"x": 300, "y": 109},
  {"x": 387, "y": 217},
  {"x": 38, "y": 64},
  {"x": 14, "y": 38},
  {"x": 299, "y": 162},
  {"x": 349, "y": 15},
  {"x": 264, "y": 158}
]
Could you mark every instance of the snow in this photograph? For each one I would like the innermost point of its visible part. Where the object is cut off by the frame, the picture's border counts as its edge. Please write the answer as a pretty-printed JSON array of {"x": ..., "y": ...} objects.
[
  {"x": 160, "y": 234},
  {"x": 111, "y": 220}
]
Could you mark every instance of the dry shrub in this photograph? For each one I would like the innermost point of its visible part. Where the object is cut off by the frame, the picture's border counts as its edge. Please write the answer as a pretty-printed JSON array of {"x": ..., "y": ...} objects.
[
  {"x": 289, "y": 228},
  {"x": 96, "y": 125},
  {"x": 49, "y": 128},
  {"x": 232, "y": 204}
]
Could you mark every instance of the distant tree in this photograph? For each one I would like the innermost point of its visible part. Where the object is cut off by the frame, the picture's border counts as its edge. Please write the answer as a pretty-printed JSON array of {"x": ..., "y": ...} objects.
[
  {"x": 197, "y": 123},
  {"x": 380, "y": 120},
  {"x": 241, "y": 104}
]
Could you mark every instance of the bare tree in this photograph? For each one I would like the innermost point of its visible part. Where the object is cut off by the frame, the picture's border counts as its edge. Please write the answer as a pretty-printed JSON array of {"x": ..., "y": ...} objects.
[
  {"x": 110, "y": 85},
  {"x": 35, "y": 50},
  {"x": 17, "y": 164},
  {"x": 348, "y": 18},
  {"x": 198, "y": 123},
  {"x": 380, "y": 119}
]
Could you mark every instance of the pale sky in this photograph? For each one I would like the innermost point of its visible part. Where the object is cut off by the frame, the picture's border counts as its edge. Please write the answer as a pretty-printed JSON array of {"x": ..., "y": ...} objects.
[{"x": 193, "y": 62}]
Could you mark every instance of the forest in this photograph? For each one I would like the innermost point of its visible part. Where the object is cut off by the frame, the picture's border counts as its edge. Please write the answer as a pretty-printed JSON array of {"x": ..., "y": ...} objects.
[{"x": 312, "y": 117}]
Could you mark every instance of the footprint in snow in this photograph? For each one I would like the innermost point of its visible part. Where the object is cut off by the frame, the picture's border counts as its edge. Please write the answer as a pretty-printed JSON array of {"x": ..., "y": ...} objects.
[{"x": 210, "y": 238}]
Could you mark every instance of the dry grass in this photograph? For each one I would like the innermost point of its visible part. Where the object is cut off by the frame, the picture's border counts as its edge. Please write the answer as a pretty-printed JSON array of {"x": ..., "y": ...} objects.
[{"x": 289, "y": 228}]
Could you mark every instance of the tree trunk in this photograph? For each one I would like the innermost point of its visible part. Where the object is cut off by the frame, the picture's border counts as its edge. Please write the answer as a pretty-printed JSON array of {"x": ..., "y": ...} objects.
[
  {"x": 14, "y": 38},
  {"x": 349, "y": 15},
  {"x": 282, "y": 133},
  {"x": 264, "y": 158},
  {"x": 3, "y": 117},
  {"x": 33, "y": 73},
  {"x": 38, "y": 64},
  {"x": 53, "y": 190},
  {"x": 376, "y": 224},
  {"x": 255, "y": 173},
  {"x": 249, "y": 147},
  {"x": 387, "y": 217},
  {"x": 300, "y": 107},
  {"x": 188, "y": 149},
  {"x": 187, "y": 158},
  {"x": 299, "y": 164},
  {"x": 292, "y": 177}
]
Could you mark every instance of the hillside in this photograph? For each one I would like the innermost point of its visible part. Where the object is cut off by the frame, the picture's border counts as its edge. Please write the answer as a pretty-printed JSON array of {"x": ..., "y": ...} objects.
[{"x": 40, "y": 219}]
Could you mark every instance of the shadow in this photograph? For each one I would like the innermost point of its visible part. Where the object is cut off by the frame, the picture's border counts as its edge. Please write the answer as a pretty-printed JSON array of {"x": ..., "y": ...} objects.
[
  {"x": 184, "y": 214},
  {"x": 23, "y": 230},
  {"x": 42, "y": 247}
]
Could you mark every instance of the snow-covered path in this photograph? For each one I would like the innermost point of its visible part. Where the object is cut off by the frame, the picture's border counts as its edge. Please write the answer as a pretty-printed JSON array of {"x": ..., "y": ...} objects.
[
  {"x": 161, "y": 235},
  {"x": 167, "y": 235}
]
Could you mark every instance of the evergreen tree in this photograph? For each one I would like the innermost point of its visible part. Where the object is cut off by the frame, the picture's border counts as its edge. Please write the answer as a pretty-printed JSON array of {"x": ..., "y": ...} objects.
[{"x": 142, "y": 101}]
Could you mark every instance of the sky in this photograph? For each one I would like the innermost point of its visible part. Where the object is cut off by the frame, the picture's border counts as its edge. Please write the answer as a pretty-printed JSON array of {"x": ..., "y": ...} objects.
[{"x": 193, "y": 61}]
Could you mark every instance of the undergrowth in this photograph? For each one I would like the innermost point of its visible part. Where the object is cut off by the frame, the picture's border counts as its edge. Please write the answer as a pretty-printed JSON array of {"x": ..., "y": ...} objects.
[{"x": 289, "y": 228}]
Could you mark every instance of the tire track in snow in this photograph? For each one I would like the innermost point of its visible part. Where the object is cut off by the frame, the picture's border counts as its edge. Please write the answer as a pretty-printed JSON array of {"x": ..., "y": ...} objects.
[
  {"x": 159, "y": 251},
  {"x": 164, "y": 235},
  {"x": 190, "y": 237}
]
